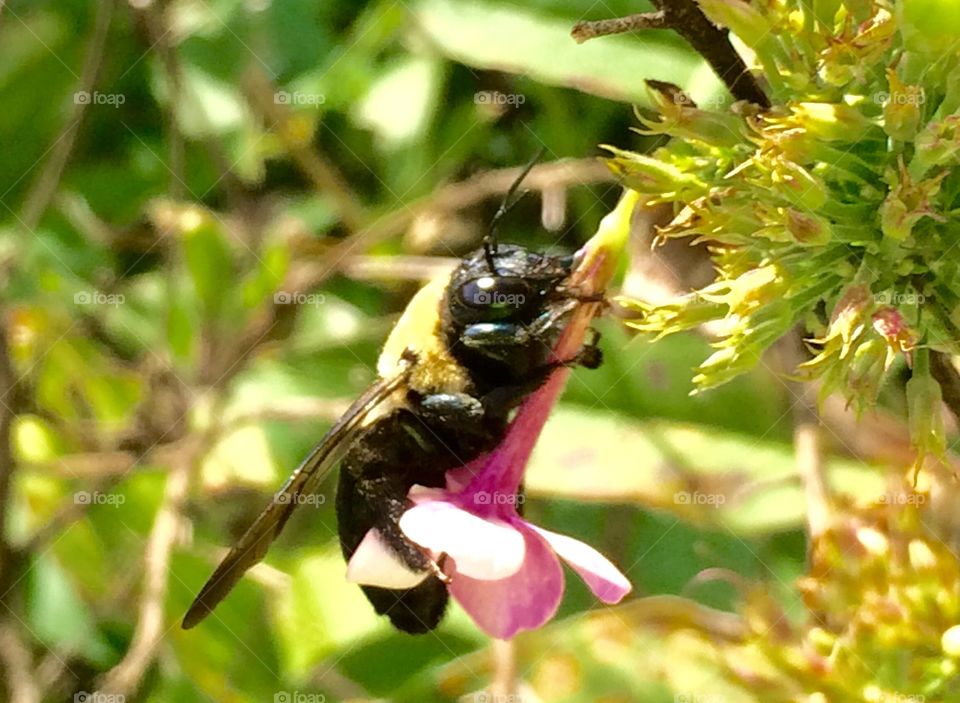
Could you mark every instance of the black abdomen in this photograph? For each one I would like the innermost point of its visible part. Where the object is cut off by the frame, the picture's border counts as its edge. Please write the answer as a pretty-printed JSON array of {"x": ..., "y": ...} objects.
[{"x": 385, "y": 461}]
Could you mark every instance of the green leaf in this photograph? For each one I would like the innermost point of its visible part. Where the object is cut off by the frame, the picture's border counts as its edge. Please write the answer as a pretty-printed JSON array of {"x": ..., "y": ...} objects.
[
  {"x": 705, "y": 475},
  {"x": 60, "y": 618},
  {"x": 321, "y": 612},
  {"x": 507, "y": 38},
  {"x": 400, "y": 104},
  {"x": 208, "y": 260}
]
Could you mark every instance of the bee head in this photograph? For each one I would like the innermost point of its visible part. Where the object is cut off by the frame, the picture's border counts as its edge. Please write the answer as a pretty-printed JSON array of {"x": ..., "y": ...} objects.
[
  {"x": 505, "y": 306},
  {"x": 517, "y": 288}
]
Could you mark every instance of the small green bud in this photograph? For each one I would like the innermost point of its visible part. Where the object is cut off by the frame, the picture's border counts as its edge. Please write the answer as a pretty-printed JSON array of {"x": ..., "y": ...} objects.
[
  {"x": 648, "y": 175},
  {"x": 901, "y": 108},
  {"x": 807, "y": 228},
  {"x": 830, "y": 121},
  {"x": 908, "y": 202},
  {"x": 938, "y": 144}
]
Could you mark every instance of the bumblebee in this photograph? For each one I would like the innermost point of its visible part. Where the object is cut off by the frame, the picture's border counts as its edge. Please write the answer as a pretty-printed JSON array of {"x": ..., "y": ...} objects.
[{"x": 463, "y": 355}]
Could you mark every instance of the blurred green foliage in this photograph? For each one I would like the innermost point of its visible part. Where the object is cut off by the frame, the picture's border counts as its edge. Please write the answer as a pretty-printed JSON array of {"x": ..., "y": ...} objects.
[{"x": 143, "y": 316}]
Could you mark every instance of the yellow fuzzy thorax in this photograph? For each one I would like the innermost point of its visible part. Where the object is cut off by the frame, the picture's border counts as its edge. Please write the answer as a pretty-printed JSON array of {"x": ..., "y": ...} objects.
[{"x": 418, "y": 330}]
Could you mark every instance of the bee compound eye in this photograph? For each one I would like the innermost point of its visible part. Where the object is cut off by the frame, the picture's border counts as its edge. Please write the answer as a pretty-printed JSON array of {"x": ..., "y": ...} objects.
[{"x": 498, "y": 294}]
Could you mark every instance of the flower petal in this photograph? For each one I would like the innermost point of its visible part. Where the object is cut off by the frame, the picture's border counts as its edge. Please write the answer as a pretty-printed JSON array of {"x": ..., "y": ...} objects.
[
  {"x": 375, "y": 564},
  {"x": 482, "y": 549},
  {"x": 604, "y": 579},
  {"x": 523, "y": 601}
]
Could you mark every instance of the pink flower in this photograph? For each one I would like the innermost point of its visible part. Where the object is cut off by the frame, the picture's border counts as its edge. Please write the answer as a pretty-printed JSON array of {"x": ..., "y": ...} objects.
[{"x": 504, "y": 571}]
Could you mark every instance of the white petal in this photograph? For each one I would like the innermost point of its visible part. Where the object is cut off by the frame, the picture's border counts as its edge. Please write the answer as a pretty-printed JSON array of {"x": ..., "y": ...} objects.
[
  {"x": 598, "y": 572},
  {"x": 375, "y": 564},
  {"x": 486, "y": 550}
]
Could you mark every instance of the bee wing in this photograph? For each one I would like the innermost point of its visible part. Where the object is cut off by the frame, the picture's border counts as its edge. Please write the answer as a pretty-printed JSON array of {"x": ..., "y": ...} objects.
[{"x": 253, "y": 545}]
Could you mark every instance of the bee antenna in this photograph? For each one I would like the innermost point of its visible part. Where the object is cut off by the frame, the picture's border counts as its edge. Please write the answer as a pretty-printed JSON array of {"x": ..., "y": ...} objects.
[{"x": 508, "y": 203}]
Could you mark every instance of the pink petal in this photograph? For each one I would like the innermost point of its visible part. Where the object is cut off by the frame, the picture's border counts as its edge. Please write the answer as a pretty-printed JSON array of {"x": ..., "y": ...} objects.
[
  {"x": 523, "y": 601},
  {"x": 375, "y": 564},
  {"x": 604, "y": 579},
  {"x": 482, "y": 549}
]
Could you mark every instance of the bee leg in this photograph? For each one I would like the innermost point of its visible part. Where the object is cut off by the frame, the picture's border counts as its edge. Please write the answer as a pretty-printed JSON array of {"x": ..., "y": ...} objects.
[
  {"x": 436, "y": 566},
  {"x": 497, "y": 340},
  {"x": 450, "y": 410},
  {"x": 590, "y": 356},
  {"x": 385, "y": 500}
]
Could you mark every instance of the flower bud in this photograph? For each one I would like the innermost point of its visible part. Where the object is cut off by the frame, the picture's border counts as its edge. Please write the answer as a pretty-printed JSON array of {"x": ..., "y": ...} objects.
[
  {"x": 889, "y": 324},
  {"x": 653, "y": 176},
  {"x": 938, "y": 144},
  {"x": 830, "y": 121},
  {"x": 901, "y": 111},
  {"x": 908, "y": 202},
  {"x": 807, "y": 228}
]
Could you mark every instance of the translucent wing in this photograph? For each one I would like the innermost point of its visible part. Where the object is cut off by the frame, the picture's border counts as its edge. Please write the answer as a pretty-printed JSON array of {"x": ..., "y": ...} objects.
[{"x": 252, "y": 547}]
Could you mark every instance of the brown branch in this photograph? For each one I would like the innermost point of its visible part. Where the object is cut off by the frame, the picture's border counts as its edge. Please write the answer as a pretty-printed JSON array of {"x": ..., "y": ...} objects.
[
  {"x": 398, "y": 267},
  {"x": 587, "y": 29},
  {"x": 15, "y": 656},
  {"x": 125, "y": 677},
  {"x": 108, "y": 468},
  {"x": 687, "y": 19},
  {"x": 45, "y": 187},
  {"x": 159, "y": 36},
  {"x": 17, "y": 666},
  {"x": 451, "y": 197},
  {"x": 308, "y": 272},
  {"x": 675, "y": 613},
  {"x": 947, "y": 376},
  {"x": 8, "y": 382},
  {"x": 808, "y": 449}
]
